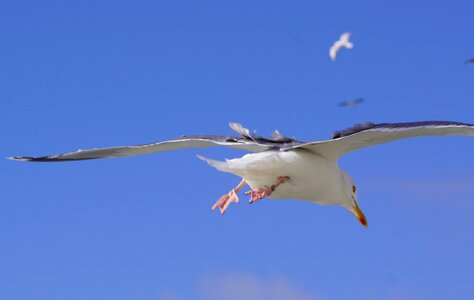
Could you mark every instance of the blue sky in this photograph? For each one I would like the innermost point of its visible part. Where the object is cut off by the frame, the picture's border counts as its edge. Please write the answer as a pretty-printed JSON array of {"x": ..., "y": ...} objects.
[{"x": 82, "y": 74}]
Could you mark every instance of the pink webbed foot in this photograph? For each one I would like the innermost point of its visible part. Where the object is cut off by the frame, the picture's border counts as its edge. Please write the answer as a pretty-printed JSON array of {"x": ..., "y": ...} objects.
[
  {"x": 257, "y": 194},
  {"x": 224, "y": 201}
]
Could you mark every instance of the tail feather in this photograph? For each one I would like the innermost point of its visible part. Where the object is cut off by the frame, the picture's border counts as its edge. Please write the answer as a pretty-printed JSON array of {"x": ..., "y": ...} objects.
[{"x": 219, "y": 165}]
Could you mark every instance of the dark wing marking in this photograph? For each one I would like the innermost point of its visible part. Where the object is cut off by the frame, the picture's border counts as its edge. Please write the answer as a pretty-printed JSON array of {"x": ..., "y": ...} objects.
[
  {"x": 351, "y": 130},
  {"x": 361, "y": 127},
  {"x": 246, "y": 142},
  {"x": 369, "y": 134}
]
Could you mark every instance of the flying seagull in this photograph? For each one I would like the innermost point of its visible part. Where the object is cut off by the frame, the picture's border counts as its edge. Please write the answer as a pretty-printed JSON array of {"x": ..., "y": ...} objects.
[
  {"x": 281, "y": 167},
  {"x": 351, "y": 103},
  {"x": 342, "y": 42}
]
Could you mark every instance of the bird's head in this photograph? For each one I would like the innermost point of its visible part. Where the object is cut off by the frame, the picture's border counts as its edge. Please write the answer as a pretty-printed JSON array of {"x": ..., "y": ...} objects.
[{"x": 350, "y": 192}]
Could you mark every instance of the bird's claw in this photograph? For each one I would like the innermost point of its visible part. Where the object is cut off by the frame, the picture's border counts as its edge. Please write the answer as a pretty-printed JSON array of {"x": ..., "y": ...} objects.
[
  {"x": 258, "y": 194},
  {"x": 261, "y": 193},
  {"x": 224, "y": 201},
  {"x": 255, "y": 194}
]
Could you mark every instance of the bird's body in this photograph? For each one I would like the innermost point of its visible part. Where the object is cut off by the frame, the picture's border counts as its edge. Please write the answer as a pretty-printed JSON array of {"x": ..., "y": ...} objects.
[
  {"x": 285, "y": 168},
  {"x": 312, "y": 177}
]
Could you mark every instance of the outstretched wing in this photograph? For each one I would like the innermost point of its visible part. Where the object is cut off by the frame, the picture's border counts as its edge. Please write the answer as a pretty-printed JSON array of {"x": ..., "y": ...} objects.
[
  {"x": 344, "y": 104},
  {"x": 333, "y": 51},
  {"x": 245, "y": 141},
  {"x": 345, "y": 36},
  {"x": 365, "y": 135},
  {"x": 179, "y": 143}
]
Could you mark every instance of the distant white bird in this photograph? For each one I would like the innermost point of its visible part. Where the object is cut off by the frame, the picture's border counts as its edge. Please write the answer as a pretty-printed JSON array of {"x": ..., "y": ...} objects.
[
  {"x": 283, "y": 167},
  {"x": 351, "y": 103},
  {"x": 342, "y": 42}
]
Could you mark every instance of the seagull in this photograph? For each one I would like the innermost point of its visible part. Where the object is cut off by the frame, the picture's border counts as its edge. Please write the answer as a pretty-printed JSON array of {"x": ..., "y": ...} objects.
[
  {"x": 280, "y": 167},
  {"x": 342, "y": 42},
  {"x": 469, "y": 61},
  {"x": 351, "y": 103}
]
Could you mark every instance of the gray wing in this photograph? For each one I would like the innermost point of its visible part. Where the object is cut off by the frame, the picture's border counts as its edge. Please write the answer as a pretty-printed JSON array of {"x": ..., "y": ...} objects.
[
  {"x": 245, "y": 141},
  {"x": 365, "y": 135},
  {"x": 352, "y": 103}
]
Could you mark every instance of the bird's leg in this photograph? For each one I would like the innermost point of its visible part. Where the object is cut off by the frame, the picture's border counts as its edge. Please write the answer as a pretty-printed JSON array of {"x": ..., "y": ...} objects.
[
  {"x": 261, "y": 193},
  {"x": 224, "y": 201}
]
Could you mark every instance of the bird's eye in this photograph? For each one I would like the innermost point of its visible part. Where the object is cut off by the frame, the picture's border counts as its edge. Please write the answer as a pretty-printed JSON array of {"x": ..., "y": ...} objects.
[{"x": 354, "y": 189}]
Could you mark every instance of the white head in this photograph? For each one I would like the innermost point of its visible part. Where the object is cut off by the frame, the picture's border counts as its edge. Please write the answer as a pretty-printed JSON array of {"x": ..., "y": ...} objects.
[{"x": 350, "y": 198}]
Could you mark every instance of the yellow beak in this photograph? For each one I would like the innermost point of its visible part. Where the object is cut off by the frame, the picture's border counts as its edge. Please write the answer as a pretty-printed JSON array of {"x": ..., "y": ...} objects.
[{"x": 359, "y": 215}]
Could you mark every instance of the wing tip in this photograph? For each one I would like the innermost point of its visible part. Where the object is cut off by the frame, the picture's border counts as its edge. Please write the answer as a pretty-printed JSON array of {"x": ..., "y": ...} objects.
[{"x": 20, "y": 158}]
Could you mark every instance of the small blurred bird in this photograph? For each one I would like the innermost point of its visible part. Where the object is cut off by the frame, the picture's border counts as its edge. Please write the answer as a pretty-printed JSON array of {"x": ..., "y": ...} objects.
[
  {"x": 469, "y": 61},
  {"x": 351, "y": 103},
  {"x": 342, "y": 42}
]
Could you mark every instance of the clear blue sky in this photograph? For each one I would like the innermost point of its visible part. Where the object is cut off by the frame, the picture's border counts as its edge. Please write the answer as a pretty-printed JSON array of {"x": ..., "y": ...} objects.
[{"x": 82, "y": 74}]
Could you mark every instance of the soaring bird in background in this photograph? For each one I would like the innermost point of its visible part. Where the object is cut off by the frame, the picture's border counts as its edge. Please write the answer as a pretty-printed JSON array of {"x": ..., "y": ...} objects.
[
  {"x": 281, "y": 167},
  {"x": 342, "y": 42},
  {"x": 351, "y": 103}
]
